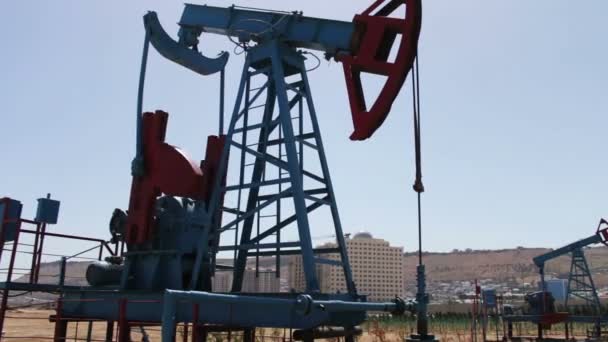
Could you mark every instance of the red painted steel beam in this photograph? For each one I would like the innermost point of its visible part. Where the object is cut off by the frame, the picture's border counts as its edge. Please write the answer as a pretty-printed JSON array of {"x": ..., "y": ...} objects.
[
  {"x": 375, "y": 35},
  {"x": 67, "y": 236},
  {"x": 34, "y": 254},
  {"x": 29, "y": 221}
]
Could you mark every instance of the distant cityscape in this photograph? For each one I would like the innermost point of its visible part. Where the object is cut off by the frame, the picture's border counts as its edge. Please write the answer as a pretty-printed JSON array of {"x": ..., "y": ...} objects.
[{"x": 381, "y": 272}]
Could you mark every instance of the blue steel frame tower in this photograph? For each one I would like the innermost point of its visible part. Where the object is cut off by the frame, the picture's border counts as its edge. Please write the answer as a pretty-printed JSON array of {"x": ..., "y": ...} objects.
[
  {"x": 580, "y": 282},
  {"x": 279, "y": 145}
]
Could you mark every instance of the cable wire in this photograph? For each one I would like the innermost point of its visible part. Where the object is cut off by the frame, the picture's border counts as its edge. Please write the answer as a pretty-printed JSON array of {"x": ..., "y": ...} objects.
[
  {"x": 244, "y": 45},
  {"x": 316, "y": 57},
  {"x": 418, "y": 186}
]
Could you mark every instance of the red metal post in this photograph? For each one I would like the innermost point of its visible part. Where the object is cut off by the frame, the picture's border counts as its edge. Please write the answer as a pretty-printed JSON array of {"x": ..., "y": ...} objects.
[
  {"x": 9, "y": 276},
  {"x": 67, "y": 236},
  {"x": 2, "y": 239},
  {"x": 39, "y": 256},
  {"x": 2, "y": 308},
  {"x": 35, "y": 253},
  {"x": 185, "y": 333},
  {"x": 249, "y": 335},
  {"x": 475, "y": 313},
  {"x": 110, "y": 331},
  {"x": 61, "y": 325},
  {"x": 195, "y": 326},
  {"x": 124, "y": 331}
]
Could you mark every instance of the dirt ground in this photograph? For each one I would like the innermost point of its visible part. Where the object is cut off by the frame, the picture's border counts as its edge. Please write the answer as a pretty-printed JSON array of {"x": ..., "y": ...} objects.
[{"x": 33, "y": 325}]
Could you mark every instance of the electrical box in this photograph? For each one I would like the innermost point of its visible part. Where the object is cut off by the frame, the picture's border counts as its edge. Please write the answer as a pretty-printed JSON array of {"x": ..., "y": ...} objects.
[
  {"x": 489, "y": 297},
  {"x": 48, "y": 211},
  {"x": 10, "y": 214}
]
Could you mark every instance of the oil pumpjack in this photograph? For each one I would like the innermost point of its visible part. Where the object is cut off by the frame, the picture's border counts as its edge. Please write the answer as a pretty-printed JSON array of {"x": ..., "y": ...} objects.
[
  {"x": 179, "y": 209},
  {"x": 580, "y": 287}
]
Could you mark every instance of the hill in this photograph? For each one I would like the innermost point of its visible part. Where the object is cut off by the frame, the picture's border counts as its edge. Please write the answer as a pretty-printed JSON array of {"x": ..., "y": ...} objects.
[
  {"x": 509, "y": 268},
  {"x": 504, "y": 265}
]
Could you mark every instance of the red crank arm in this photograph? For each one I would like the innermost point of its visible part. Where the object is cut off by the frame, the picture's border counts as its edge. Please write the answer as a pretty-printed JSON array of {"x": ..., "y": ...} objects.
[
  {"x": 375, "y": 35},
  {"x": 167, "y": 171}
]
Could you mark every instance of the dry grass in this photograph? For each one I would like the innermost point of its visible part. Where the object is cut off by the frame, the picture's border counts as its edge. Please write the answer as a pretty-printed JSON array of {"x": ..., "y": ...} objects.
[{"x": 34, "y": 326}]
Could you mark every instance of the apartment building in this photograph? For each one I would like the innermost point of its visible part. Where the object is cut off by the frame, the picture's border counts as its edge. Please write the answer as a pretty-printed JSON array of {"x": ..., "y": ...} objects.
[
  {"x": 378, "y": 269},
  {"x": 266, "y": 281}
]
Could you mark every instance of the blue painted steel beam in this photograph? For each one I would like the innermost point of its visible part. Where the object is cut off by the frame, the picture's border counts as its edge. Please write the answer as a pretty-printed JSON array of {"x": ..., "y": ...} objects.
[
  {"x": 14, "y": 286},
  {"x": 147, "y": 306},
  {"x": 263, "y": 183},
  {"x": 278, "y": 58},
  {"x": 302, "y": 312},
  {"x": 260, "y": 246},
  {"x": 295, "y": 252},
  {"x": 331, "y": 36},
  {"x": 350, "y": 284},
  {"x": 540, "y": 260},
  {"x": 258, "y": 171}
]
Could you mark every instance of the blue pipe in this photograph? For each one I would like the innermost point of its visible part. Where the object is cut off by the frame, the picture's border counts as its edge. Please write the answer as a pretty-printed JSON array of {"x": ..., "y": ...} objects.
[{"x": 302, "y": 306}]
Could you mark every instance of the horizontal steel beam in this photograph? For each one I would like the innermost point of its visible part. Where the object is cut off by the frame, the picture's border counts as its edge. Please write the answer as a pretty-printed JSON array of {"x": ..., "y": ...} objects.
[
  {"x": 259, "y": 246},
  {"x": 294, "y": 252},
  {"x": 260, "y": 184},
  {"x": 328, "y": 262},
  {"x": 284, "y": 223},
  {"x": 257, "y": 209},
  {"x": 313, "y": 176},
  {"x": 298, "y": 138},
  {"x": 325, "y": 35},
  {"x": 233, "y": 211},
  {"x": 318, "y": 191}
]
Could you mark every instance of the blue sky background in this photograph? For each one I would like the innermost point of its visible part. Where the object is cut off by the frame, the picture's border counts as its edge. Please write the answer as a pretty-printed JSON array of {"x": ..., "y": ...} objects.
[{"x": 514, "y": 116}]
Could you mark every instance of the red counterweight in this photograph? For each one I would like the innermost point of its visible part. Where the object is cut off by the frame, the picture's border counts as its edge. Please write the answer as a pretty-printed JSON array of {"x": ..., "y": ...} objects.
[
  {"x": 375, "y": 36},
  {"x": 169, "y": 171}
]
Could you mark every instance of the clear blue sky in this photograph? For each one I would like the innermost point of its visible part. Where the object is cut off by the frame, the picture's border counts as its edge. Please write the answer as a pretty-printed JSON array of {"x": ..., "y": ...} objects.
[{"x": 514, "y": 106}]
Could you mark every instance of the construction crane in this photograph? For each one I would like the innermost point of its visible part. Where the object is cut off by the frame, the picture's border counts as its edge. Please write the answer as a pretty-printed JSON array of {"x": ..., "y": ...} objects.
[{"x": 180, "y": 210}]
